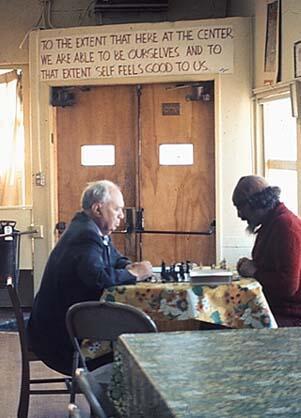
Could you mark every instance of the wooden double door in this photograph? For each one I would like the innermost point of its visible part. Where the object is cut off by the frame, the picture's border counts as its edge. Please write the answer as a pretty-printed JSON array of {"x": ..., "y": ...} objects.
[{"x": 137, "y": 120}]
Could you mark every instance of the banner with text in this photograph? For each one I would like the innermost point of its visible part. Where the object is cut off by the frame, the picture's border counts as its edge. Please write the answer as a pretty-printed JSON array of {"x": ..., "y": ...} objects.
[{"x": 195, "y": 50}]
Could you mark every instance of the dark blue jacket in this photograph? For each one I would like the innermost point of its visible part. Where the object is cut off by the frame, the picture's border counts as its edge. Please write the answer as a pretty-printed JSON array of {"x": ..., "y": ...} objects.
[{"x": 79, "y": 268}]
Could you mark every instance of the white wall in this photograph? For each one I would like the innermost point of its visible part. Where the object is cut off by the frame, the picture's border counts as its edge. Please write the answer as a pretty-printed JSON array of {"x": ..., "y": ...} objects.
[
  {"x": 235, "y": 157},
  {"x": 14, "y": 24},
  {"x": 18, "y": 17},
  {"x": 291, "y": 21},
  {"x": 242, "y": 8},
  {"x": 291, "y": 32}
]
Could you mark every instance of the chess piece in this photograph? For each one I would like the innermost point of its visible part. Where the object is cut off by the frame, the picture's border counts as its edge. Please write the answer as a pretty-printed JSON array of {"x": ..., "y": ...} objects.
[{"x": 223, "y": 264}]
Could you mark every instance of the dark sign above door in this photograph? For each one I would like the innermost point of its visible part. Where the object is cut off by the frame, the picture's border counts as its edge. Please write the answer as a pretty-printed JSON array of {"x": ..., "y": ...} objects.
[{"x": 170, "y": 109}]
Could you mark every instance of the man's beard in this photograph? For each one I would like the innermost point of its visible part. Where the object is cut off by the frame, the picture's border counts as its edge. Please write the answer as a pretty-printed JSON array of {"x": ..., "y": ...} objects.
[{"x": 252, "y": 229}]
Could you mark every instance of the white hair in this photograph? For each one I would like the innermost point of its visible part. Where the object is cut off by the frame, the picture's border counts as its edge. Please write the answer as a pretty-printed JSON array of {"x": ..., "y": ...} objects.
[{"x": 97, "y": 191}]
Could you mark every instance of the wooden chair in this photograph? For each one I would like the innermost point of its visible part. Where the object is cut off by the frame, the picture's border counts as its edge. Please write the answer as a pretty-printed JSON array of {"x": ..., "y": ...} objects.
[
  {"x": 27, "y": 356},
  {"x": 103, "y": 321}
]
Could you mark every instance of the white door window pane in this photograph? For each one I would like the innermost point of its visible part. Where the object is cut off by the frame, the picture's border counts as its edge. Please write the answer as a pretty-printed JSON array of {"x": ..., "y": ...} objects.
[
  {"x": 287, "y": 181},
  {"x": 94, "y": 155},
  {"x": 176, "y": 154},
  {"x": 279, "y": 130}
]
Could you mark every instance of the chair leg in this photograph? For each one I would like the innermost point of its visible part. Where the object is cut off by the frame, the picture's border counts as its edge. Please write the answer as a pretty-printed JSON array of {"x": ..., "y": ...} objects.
[
  {"x": 73, "y": 382},
  {"x": 24, "y": 394}
]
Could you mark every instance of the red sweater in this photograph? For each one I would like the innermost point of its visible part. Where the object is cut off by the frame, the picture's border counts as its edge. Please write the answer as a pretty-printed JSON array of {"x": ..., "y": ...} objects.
[{"x": 277, "y": 256}]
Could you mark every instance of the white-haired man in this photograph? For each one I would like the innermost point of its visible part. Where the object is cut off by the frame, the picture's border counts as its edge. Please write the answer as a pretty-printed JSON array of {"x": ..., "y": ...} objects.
[{"x": 83, "y": 263}]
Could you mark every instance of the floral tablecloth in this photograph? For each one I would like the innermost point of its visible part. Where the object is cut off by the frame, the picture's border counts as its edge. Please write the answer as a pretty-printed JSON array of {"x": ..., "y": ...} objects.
[
  {"x": 240, "y": 304},
  {"x": 181, "y": 306}
]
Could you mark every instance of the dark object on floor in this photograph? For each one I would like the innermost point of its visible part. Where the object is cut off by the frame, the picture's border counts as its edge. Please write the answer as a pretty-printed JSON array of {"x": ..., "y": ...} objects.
[
  {"x": 10, "y": 325},
  {"x": 8, "y": 321},
  {"x": 27, "y": 357}
]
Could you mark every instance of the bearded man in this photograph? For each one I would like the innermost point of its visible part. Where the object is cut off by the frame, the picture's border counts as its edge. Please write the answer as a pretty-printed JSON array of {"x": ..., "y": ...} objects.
[{"x": 276, "y": 255}]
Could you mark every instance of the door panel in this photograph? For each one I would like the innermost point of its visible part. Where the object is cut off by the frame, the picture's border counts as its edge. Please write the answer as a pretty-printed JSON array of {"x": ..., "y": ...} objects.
[
  {"x": 101, "y": 115},
  {"x": 177, "y": 198}
]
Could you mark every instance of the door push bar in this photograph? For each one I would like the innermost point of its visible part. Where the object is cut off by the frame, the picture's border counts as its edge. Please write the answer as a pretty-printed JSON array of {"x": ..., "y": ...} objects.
[
  {"x": 138, "y": 226},
  {"x": 18, "y": 233}
]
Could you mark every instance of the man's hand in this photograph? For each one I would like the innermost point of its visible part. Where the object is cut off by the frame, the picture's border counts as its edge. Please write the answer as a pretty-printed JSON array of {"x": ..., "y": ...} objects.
[
  {"x": 246, "y": 267},
  {"x": 141, "y": 270}
]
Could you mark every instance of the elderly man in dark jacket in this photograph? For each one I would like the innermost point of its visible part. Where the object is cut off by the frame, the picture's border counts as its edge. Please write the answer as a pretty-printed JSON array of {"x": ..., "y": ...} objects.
[
  {"x": 83, "y": 263},
  {"x": 276, "y": 255}
]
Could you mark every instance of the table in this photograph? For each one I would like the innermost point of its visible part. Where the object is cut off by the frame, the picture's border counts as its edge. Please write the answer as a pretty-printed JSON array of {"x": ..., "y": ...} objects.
[
  {"x": 224, "y": 373},
  {"x": 240, "y": 304}
]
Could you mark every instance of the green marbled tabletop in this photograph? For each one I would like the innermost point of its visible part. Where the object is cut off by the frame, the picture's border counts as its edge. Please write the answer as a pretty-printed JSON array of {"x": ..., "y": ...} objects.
[{"x": 233, "y": 373}]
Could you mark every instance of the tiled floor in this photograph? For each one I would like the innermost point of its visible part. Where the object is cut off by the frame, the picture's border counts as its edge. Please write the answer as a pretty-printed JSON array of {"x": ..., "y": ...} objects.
[{"x": 39, "y": 406}]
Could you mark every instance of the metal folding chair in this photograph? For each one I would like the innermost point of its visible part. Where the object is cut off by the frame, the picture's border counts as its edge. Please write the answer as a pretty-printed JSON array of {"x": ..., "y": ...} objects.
[
  {"x": 91, "y": 390},
  {"x": 102, "y": 321}
]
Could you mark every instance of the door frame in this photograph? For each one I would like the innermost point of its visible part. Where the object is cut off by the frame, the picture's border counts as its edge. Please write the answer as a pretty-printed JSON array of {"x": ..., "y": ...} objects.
[
  {"x": 45, "y": 213},
  {"x": 143, "y": 127}
]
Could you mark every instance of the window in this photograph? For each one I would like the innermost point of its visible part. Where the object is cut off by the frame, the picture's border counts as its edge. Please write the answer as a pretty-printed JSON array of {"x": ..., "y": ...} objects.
[
  {"x": 176, "y": 154},
  {"x": 280, "y": 146},
  {"x": 12, "y": 146},
  {"x": 97, "y": 155}
]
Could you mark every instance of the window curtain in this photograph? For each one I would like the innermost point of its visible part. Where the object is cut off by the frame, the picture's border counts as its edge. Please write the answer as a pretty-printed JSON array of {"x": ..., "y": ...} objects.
[{"x": 12, "y": 155}]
